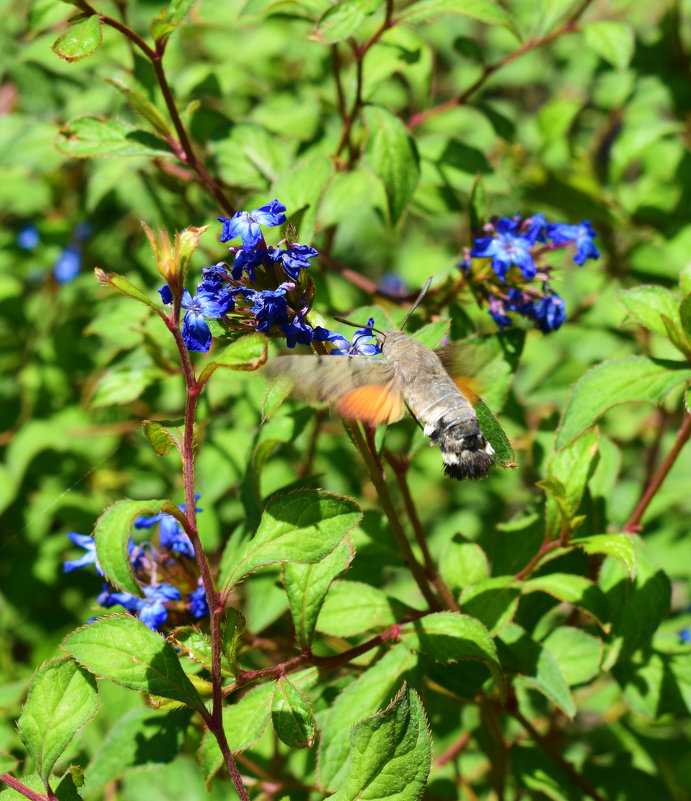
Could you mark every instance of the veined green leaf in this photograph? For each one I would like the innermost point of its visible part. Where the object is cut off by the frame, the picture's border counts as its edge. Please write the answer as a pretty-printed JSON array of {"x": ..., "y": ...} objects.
[
  {"x": 62, "y": 698},
  {"x": 345, "y": 19},
  {"x": 391, "y": 753},
  {"x": 80, "y": 40},
  {"x": 634, "y": 378},
  {"x": 88, "y": 136},
  {"x": 292, "y": 715},
  {"x": 484, "y": 10},
  {"x": 124, "y": 650}
]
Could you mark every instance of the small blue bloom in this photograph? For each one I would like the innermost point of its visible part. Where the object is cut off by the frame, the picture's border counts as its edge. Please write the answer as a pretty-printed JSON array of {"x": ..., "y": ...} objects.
[
  {"x": 87, "y": 558},
  {"x": 196, "y": 333},
  {"x": 82, "y": 230},
  {"x": 270, "y": 307},
  {"x": 246, "y": 224},
  {"x": 497, "y": 311},
  {"x": 28, "y": 238},
  {"x": 150, "y": 610},
  {"x": 358, "y": 347},
  {"x": 465, "y": 263},
  {"x": 519, "y": 302},
  {"x": 685, "y": 635},
  {"x": 166, "y": 294},
  {"x": 246, "y": 259},
  {"x": 505, "y": 249},
  {"x": 68, "y": 264},
  {"x": 197, "y": 602},
  {"x": 212, "y": 278},
  {"x": 583, "y": 235},
  {"x": 296, "y": 258},
  {"x": 170, "y": 532},
  {"x": 298, "y": 332},
  {"x": 550, "y": 313},
  {"x": 393, "y": 285},
  {"x": 537, "y": 228}
]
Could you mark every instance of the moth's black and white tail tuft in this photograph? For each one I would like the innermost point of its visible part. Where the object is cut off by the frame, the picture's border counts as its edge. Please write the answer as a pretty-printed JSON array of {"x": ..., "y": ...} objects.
[{"x": 465, "y": 455}]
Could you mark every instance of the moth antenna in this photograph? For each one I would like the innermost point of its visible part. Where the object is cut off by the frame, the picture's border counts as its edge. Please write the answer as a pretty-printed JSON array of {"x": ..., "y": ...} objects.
[
  {"x": 417, "y": 302},
  {"x": 357, "y": 325}
]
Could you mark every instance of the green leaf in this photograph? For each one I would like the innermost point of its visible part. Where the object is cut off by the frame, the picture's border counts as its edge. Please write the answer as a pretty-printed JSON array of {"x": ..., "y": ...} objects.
[
  {"x": 169, "y": 19},
  {"x": 637, "y": 606},
  {"x": 391, "y": 753},
  {"x": 352, "y": 607},
  {"x": 145, "y": 108},
  {"x": 392, "y": 155},
  {"x": 247, "y": 353},
  {"x": 448, "y": 636},
  {"x": 122, "y": 285},
  {"x": 307, "y": 586},
  {"x": 88, "y": 136},
  {"x": 292, "y": 716},
  {"x": 80, "y": 40},
  {"x": 301, "y": 527},
  {"x": 634, "y": 378},
  {"x": 124, "y": 650},
  {"x": 62, "y": 699},
  {"x": 361, "y": 698},
  {"x": 520, "y": 654},
  {"x": 495, "y": 435},
  {"x": 484, "y": 10},
  {"x": 112, "y": 534},
  {"x": 572, "y": 466},
  {"x": 123, "y": 385},
  {"x": 539, "y": 773},
  {"x": 477, "y": 205},
  {"x": 685, "y": 315},
  {"x": 492, "y": 601},
  {"x": 160, "y": 438},
  {"x": 197, "y": 646},
  {"x": 243, "y": 722},
  {"x": 231, "y": 636},
  {"x": 142, "y": 738},
  {"x": 655, "y": 683},
  {"x": 249, "y": 489},
  {"x": 648, "y": 304},
  {"x": 577, "y": 654},
  {"x": 612, "y": 41},
  {"x": 432, "y": 334},
  {"x": 463, "y": 563},
  {"x": 344, "y": 19},
  {"x": 576, "y": 590},
  {"x": 619, "y": 546}
]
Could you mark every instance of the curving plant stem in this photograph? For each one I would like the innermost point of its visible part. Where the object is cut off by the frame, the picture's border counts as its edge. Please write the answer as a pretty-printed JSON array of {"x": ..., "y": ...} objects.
[
  {"x": 183, "y": 146},
  {"x": 683, "y": 435},
  {"x": 378, "y": 478},
  {"x": 216, "y": 605}
]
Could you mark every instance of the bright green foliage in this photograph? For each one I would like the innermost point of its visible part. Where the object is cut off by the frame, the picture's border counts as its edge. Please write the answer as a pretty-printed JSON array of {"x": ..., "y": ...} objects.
[
  {"x": 62, "y": 699},
  {"x": 378, "y": 630}
]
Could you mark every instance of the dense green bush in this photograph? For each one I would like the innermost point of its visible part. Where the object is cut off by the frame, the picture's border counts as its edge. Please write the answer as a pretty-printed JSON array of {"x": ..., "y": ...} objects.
[{"x": 379, "y": 629}]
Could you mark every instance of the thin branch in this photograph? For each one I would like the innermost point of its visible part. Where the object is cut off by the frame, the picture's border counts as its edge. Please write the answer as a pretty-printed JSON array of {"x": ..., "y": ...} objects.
[
  {"x": 27, "y": 792},
  {"x": 400, "y": 469},
  {"x": 392, "y": 516},
  {"x": 682, "y": 438},
  {"x": 570, "y": 26},
  {"x": 552, "y": 752}
]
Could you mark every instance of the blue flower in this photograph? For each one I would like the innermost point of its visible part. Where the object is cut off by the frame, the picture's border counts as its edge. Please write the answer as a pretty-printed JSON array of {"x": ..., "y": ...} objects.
[
  {"x": 583, "y": 235},
  {"x": 28, "y": 238},
  {"x": 270, "y": 306},
  {"x": 298, "y": 332},
  {"x": 297, "y": 258},
  {"x": 247, "y": 260},
  {"x": 87, "y": 558},
  {"x": 212, "y": 278},
  {"x": 196, "y": 333},
  {"x": 505, "y": 249},
  {"x": 537, "y": 228},
  {"x": 197, "y": 603},
  {"x": 245, "y": 224},
  {"x": 150, "y": 610},
  {"x": 685, "y": 635},
  {"x": 497, "y": 311},
  {"x": 68, "y": 264},
  {"x": 358, "y": 347},
  {"x": 393, "y": 285},
  {"x": 170, "y": 532},
  {"x": 550, "y": 313}
]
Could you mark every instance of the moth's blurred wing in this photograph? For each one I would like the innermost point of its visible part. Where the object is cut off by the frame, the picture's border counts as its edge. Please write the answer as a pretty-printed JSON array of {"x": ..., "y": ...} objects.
[{"x": 359, "y": 388}]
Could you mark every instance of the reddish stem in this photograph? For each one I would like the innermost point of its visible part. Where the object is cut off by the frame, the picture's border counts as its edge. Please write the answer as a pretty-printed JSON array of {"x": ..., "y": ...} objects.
[
  {"x": 682, "y": 438},
  {"x": 15, "y": 784}
]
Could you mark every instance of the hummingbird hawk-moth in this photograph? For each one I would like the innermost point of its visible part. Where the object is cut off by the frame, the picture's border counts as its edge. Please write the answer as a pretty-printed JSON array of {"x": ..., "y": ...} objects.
[{"x": 377, "y": 389}]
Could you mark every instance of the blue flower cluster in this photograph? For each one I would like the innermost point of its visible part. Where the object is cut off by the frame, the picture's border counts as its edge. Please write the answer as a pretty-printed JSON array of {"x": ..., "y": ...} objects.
[
  {"x": 264, "y": 290},
  {"x": 515, "y": 242},
  {"x": 167, "y": 573},
  {"x": 360, "y": 345}
]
